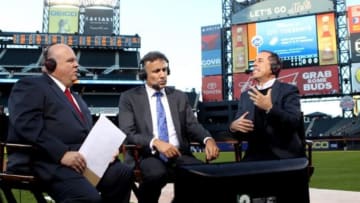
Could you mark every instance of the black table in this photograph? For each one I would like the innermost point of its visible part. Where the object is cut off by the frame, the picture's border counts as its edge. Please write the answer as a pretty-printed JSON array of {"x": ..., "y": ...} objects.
[{"x": 280, "y": 181}]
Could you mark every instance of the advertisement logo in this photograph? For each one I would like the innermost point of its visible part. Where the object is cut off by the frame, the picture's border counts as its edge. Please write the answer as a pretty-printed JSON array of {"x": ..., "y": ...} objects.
[
  {"x": 357, "y": 74},
  {"x": 357, "y": 46},
  {"x": 257, "y": 41},
  {"x": 321, "y": 145},
  {"x": 243, "y": 198},
  {"x": 347, "y": 103},
  {"x": 211, "y": 85}
]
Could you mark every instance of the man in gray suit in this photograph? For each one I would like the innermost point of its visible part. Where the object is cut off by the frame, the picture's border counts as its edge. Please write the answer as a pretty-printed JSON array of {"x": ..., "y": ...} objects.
[
  {"x": 138, "y": 118},
  {"x": 56, "y": 125}
]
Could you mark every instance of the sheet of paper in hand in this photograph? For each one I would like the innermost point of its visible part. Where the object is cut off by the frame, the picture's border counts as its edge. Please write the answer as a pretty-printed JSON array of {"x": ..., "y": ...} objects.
[{"x": 99, "y": 148}]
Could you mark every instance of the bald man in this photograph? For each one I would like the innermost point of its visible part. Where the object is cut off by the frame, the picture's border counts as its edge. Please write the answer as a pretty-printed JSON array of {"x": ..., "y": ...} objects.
[{"x": 43, "y": 116}]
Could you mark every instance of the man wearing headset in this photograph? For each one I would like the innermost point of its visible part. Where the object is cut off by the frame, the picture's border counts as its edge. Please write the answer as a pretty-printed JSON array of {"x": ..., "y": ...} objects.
[
  {"x": 43, "y": 116},
  {"x": 138, "y": 118},
  {"x": 269, "y": 114}
]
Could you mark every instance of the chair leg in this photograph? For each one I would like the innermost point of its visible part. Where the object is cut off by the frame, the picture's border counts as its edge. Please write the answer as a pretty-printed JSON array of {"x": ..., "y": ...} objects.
[
  {"x": 135, "y": 189},
  {"x": 9, "y": 196},
  {"x": 38, "y": 196}
]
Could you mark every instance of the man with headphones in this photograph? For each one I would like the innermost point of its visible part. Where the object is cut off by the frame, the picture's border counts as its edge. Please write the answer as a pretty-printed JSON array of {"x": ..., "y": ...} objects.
[
  {"x": 56, "y": 125},
  {"x": 139, "y": 119},
  {"x": 269, "y": 114}
]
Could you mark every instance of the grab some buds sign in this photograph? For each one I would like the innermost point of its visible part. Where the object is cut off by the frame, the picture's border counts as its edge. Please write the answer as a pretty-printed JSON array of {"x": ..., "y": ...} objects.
[{"x": 320, "y": 80}]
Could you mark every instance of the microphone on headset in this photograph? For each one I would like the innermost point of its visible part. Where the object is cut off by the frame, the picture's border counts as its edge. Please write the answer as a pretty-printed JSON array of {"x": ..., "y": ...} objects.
[
  {"x": 156, "y": 87},
  {"x": 248, "y": 71}
]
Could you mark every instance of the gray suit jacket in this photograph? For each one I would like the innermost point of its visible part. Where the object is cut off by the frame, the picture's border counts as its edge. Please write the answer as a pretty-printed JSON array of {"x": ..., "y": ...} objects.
[
  {"x": 41, "y": 115},
  {"x": 135, "y": 119}
]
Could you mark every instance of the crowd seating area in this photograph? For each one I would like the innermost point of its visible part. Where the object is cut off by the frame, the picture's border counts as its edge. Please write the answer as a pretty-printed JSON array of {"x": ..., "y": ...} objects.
[
  {"x": 97, "y": 58},
  {"x": 333, "y": 127},
  {"x": 19, "y": 57},
  {"x": 94, "y": 63},
  {"x": 127, "y": 59}
]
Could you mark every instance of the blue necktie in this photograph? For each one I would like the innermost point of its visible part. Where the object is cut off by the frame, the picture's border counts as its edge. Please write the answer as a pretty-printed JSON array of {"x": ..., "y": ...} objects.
[{"x": 161, "y": 122}]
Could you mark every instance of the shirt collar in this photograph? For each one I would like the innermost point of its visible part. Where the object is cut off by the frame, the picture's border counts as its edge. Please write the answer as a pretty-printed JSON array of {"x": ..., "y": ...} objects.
[
  {"x": 58, "y": 83},
  {"x": 266, "y": 85},
  {"x": 152, "y": 91}
]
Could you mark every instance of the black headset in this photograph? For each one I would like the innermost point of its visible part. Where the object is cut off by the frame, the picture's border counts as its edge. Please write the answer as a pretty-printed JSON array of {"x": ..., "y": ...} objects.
[
  {"x": 275, "y": 62},
  {"x": 49, "y": 63},
  {"x": 151, "y": 56},
  {"x": 275, "y": 69}
]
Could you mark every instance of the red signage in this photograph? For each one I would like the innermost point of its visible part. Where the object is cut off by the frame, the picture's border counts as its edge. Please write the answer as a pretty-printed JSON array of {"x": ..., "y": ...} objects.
[
  {"x": 310, "y": 80},
  {"x": 354, "y": 19},
  {"x": 212, "y": 88}
]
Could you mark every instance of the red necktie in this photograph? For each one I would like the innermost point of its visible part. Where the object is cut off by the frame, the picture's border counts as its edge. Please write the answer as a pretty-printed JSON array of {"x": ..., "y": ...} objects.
[{"x": 70, "y": 98}]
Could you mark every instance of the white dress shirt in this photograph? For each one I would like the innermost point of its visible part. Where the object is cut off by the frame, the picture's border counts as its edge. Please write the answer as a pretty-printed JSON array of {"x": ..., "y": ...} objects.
[{"x": 170, "y": 124}]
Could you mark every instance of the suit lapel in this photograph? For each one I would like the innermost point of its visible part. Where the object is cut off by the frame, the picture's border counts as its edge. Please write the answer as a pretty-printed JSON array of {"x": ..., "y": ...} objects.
[
  {"x": 62, "y": 98},
  {"x": 275, "y": 92},
  {"x": 145, "y": 111},
  {"x": 174, "y": 110},
  {"x": 83, "y": 109}
]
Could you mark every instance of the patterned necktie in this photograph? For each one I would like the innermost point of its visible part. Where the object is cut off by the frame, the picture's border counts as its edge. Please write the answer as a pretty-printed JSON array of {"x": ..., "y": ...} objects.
[
  {"x": 161, "y": 122},
  {"x": 71, "y": 100}
]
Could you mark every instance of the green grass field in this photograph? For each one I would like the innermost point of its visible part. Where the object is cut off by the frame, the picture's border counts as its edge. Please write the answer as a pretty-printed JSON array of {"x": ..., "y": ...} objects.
[{"x": 338, "y": 170}]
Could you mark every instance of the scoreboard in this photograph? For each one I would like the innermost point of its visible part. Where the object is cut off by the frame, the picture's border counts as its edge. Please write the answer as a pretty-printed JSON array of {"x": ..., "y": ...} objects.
[{"x": 43, "y": 39}]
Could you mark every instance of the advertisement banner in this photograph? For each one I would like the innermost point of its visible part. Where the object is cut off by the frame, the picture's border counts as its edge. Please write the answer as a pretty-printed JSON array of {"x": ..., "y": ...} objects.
[
  {"x": 275, "y": 9},
  {"x": 320, "y": 80},
  {"x": 241, "y": 83},
  {"x": 211, "y": 50},
  {"x": 354, "y": 19},
  {"x": 98, "y": 21},
  {"x": 212, "y": 88},
  {"x": 63, "y": 19},
  {"x": 239, "y": 47},
  {"x": 355, "y": 77},
  {"x": 355, "y": 47},
  {"x": 294, "y": 40},
  {"x": 327, "y": 39}
]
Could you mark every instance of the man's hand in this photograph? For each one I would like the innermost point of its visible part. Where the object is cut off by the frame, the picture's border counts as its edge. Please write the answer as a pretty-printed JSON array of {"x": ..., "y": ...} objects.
[
  {"x": 242, "y": 124},
  {"x": 260, "y": 100},
  {"x": 211, "y": 149},
  {"x": 74, "y": 160},
  {"x": 166, "y": 148},
  {"x": 115, "y": 156}
]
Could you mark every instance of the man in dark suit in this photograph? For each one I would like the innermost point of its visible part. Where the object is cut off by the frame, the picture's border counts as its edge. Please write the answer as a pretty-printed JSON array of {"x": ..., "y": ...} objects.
[
  {"x": 138, "y": 118},
  {"x": 269, "y": 114},
  {"x": 42, "y": 115}
]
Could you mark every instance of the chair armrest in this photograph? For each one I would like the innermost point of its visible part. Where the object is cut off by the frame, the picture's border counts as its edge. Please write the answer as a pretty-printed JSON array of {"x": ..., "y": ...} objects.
[
  {"x": 135, "y": 150},
  {"x": 5, "y": 147},
  {"x": 308, "y": 144}
]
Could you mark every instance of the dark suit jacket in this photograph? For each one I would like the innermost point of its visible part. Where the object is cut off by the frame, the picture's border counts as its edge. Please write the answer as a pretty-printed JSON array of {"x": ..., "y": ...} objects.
[
  {"x": 41, "y": 115},
  {"x": 135, "y": 119},
  {"x": 281, "y": 123}
]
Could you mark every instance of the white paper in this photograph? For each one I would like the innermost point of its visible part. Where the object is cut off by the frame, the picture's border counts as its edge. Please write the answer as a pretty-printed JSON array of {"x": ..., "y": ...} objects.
[{"x": 100, "y": 146}]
